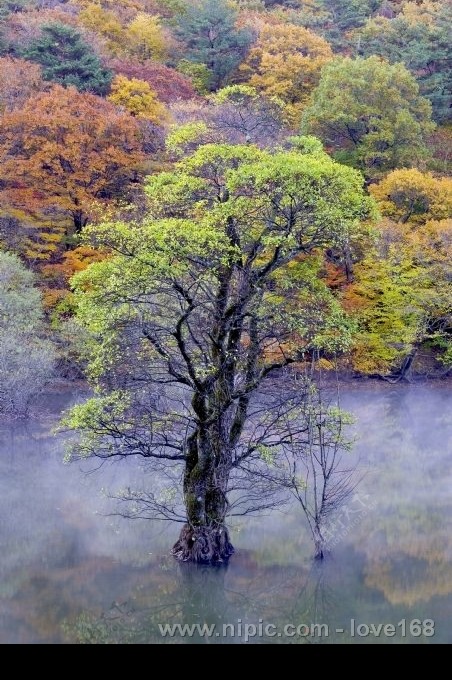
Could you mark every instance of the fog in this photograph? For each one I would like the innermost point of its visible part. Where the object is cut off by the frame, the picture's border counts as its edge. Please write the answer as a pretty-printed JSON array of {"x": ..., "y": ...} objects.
[{"x": 70, "y": 571}]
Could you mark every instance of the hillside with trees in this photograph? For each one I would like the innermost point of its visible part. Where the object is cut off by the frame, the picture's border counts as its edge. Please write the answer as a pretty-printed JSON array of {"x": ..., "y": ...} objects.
[{"x": 96, "y": 97}]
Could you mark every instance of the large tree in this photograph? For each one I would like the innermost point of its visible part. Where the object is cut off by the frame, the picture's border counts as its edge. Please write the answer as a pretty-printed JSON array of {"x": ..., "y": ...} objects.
[
  {"x": 208, "y": 28},
  {"x": 197, "y": 318},
  {"x": 61, "y": 152},
  {"x": 413, "y": 197},
  {"x": 137, "y": 97},
  {"x": 145, "y": 38},
  {"x": 371, "y": 114}
]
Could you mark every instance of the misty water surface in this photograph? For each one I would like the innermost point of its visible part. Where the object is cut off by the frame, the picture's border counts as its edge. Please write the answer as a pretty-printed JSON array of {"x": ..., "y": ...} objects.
[{"x": 70, "y": 573}]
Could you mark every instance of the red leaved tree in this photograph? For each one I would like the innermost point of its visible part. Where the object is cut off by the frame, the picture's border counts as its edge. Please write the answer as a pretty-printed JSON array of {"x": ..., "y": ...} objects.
[{"x": 166, "y": 82}]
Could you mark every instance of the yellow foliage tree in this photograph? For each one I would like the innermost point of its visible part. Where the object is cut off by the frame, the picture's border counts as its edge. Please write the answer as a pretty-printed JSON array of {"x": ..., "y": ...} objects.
[
  {"x": 105, "y": 23},
  {"x": 145, "y": 38},
  {"x": 139, "y": 98},
  {"x": 401, "y": 297},
  {"x": 421, "y": 12},
  {"x": 410, "y": 196},
  {"x": 286, "y": 62}
]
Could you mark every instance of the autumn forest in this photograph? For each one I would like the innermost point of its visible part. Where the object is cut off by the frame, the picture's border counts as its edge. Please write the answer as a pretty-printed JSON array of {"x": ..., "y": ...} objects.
[{"x": 97, "y": 97}]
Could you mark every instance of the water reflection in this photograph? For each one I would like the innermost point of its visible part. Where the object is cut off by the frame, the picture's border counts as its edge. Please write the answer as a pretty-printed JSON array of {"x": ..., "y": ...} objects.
[{"x": 70, "y": 573}]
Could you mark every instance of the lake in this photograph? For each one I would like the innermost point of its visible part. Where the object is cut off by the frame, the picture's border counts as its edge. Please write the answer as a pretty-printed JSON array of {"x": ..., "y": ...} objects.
[{"x": 71, "y": 572}]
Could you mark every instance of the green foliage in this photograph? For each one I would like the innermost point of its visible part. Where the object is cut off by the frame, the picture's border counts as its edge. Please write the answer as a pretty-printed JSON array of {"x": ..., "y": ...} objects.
[
  {"x": 446, "y": 359},
  {"x": 344, "y": 16},
  {"x": 20, "y": 302},
  {"x": 307, "y": 144},
  {"x": 26, "y": 358},
  {"x": 85, "y": 418},
  {"x": 199, "y": 74},
  {"x": 370, "y": 114},
  {"x": 384, "y": 303},
  {"x": 181, "y": 137},
  {"x": 424, "y": 46},
  {"x": 284, "y": 208},
  {"x": 67, "y": 59},
  {"x": 208, "y": 29},
  {"x": 402, "y": 296},
  {"x": 333, "y": 19}
]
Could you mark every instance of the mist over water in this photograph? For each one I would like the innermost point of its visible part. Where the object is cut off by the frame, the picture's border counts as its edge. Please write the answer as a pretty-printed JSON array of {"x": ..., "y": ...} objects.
[{"x": 70, "y": 572}]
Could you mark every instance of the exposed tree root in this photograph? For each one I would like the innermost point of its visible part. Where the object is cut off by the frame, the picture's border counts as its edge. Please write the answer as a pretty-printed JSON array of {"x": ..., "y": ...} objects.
[{"x": 203, "y": 545}]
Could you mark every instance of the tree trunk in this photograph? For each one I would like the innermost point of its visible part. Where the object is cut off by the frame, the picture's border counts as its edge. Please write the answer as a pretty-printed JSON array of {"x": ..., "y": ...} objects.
[
  {"x": 205, "y": 538},
  {"x": 407, "y": 365},
  {"x": 320, "y": 544},
  {"x": 209, "y": 545},
  {"x": 79, "y": 222},
  {"x": 349, "y": 267}
]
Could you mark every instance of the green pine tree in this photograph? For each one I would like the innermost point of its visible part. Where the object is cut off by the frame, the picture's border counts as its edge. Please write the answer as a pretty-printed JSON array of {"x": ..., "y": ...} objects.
[
  {"x": 211, "y": 37},
  {"x": 68, "y": 60}
]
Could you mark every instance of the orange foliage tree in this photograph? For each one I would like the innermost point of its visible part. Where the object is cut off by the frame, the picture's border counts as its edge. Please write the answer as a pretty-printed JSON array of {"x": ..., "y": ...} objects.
[
  {"x": 286, "y": 62},
  {"x": 19, "y": 80},
  {"x": 63, "y": 151}
]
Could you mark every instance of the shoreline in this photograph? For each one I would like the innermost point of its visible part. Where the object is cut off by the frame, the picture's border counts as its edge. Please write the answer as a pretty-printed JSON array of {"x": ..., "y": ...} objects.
[{"x": 48, "y": 407}]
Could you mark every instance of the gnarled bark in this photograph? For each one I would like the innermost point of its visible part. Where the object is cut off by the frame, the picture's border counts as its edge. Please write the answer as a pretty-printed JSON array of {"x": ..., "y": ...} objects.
[
  {"x": 205, "y": 538},
  {"x": 208, "y": 545}
]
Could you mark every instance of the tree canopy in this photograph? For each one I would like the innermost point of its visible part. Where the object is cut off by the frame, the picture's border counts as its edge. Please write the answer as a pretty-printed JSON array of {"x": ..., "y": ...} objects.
[
  {"x": 371, "y": 115},
  {"x": 413, "y": 197},
  {"x": 58, "y": 155},
  {"x": 420, "y": 38},
  {"x": 286, "y": 61},
  {"x": 138, "y": 97}
]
